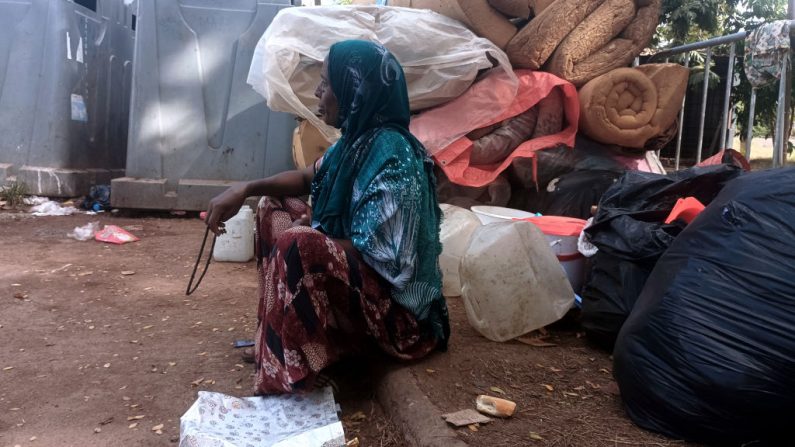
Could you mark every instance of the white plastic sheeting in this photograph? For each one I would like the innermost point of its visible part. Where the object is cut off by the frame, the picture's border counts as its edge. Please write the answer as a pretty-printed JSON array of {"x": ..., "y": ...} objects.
[{"x": 440, "y": 56}]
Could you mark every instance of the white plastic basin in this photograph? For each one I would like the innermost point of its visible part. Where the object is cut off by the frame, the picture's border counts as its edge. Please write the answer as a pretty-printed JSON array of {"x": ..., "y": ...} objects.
[{"x": 491, "y": 214}]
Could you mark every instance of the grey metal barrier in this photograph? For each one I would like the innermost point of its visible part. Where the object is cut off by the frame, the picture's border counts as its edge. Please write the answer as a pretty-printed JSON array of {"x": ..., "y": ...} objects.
[{"x": 780, "y": 141}]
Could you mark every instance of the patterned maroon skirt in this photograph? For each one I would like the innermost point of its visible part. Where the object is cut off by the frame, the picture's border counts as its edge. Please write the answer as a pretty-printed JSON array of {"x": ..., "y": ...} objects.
[{"x": 319, "y": 303}]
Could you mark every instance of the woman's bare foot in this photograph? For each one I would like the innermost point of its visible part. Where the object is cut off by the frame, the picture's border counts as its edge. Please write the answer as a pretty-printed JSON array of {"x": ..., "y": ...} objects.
[{"x": 248, "y": 355}]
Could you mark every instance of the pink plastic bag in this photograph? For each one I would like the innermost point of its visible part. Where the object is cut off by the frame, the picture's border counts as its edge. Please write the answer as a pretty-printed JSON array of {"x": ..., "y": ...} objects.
[
  {"x": 443, "y": 129},
  {"x": 114, "y": 235}
]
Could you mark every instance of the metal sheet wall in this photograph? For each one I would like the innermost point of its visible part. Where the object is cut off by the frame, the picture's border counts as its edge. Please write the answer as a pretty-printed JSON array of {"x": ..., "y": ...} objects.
[{"x": 195, "y": 124}]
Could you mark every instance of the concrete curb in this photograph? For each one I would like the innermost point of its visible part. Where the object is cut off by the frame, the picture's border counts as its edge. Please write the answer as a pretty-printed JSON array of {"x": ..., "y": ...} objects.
[{"x": 412, "y": 411}]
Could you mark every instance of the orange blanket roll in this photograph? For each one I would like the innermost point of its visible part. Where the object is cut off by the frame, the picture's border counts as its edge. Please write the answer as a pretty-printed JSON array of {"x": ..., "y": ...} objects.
[{"x": 444, "y": 129}]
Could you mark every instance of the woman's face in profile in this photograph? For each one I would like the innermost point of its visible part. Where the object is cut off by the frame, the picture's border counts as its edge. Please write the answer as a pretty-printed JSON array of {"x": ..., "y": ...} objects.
[{"x": 328, "y": 108}]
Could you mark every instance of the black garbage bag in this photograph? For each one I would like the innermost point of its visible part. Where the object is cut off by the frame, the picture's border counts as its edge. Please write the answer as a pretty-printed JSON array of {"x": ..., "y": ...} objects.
[
  {"x": 569, "y": 181},
  {"x": 98, "y": 198},
  {"x": 708, "y": 353},
  {"x": 631, "y": 235},
  {"x": 574, "y": 194},
  {"x": 608, "y": 296}
]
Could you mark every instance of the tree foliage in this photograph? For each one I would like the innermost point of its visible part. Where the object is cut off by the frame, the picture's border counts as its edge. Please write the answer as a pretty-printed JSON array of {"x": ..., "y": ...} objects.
[
  {"x": 684, "y": 21},
  {"x": 751, "y": 16}
]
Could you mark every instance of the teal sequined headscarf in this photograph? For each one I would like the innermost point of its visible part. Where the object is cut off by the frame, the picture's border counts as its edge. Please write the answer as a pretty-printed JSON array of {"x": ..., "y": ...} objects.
[
  {"x": 376, "y": 185},
  {"x": 371, "y": 92}
]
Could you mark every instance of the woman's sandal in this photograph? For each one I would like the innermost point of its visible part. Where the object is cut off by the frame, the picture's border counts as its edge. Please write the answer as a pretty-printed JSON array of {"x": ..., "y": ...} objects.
[{"x": 323, "y": 380}]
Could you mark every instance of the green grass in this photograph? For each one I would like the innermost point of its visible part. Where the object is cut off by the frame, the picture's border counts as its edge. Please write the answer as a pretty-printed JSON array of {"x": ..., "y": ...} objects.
[
  {"x": 761, "y": 148},
  {"x": 13, "y": 194},
  {"x": 761, "y": 153}
]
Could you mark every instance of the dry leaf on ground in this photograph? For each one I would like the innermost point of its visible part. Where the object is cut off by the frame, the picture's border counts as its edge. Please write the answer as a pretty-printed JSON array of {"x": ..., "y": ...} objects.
[
  {"x": 358, "y": 416},
  {"x": 497, "y": 390},
  {"x": 537, "y": 342}
]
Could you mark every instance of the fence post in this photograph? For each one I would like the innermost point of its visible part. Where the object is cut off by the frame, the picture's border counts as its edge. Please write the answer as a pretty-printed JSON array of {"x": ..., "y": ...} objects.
[
  {"x": 788, "y": 91},
  {"x": 780, "y": 143},
  {"x": 724, "y": 122},
  {"x": 681, "y": 122},
  {"x": 707, "y": 61},
  {"x": 732, "y": 128},
  {"x": 749, "y": 136}
]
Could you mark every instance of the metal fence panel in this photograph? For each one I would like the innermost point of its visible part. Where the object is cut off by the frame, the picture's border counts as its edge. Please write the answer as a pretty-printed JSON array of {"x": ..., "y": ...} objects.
[{"x": 780, "y": 143}]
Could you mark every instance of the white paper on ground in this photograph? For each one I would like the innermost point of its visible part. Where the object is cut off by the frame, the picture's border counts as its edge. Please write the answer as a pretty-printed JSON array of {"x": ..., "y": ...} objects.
[
  {"x": 52, "y": 208},
  {"x": 34, "y": 200},
  {"x": 218, "y": 420}
]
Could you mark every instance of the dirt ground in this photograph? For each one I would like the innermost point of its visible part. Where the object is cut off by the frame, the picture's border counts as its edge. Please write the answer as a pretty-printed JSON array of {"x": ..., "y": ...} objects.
[
  {"x": 84, "y": 349},
  {"x": 565, "y": 393},
  {"x": 92, "y": 357}
]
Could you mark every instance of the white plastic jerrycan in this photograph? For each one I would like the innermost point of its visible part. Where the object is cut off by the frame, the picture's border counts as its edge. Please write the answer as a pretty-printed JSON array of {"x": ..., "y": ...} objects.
[
  {"x": 512, "y": 282},
  {"x": 456, "y": 232},
  {"x": 237, "y": 244}
]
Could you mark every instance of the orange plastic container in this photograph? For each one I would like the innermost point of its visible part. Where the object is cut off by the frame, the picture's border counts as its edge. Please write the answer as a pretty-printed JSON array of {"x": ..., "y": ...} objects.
[{"x": 562, "y": 233}]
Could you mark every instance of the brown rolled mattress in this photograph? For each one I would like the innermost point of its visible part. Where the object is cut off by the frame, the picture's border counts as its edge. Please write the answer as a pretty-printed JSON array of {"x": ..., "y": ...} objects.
[
  {"x": 477, "y": 15},
  {"x": 520, "y": 9},
  {"x": 629, "y": 106},
  {"x": 535, "y": 43},
  {"x": 513, "y": 8},
  {"x": 579, "y": 40}
]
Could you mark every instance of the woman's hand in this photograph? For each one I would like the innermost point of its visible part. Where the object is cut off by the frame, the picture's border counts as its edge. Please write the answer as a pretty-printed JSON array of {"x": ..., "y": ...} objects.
[
  {"x": 224, "y": 206},
  {"x": 287, "y": 184},
  {"x": 305, "y": 220}
]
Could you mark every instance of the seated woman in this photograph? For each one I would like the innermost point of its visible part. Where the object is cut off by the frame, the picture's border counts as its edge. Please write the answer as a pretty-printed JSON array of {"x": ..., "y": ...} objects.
[{"x": 366, "y": 270}]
